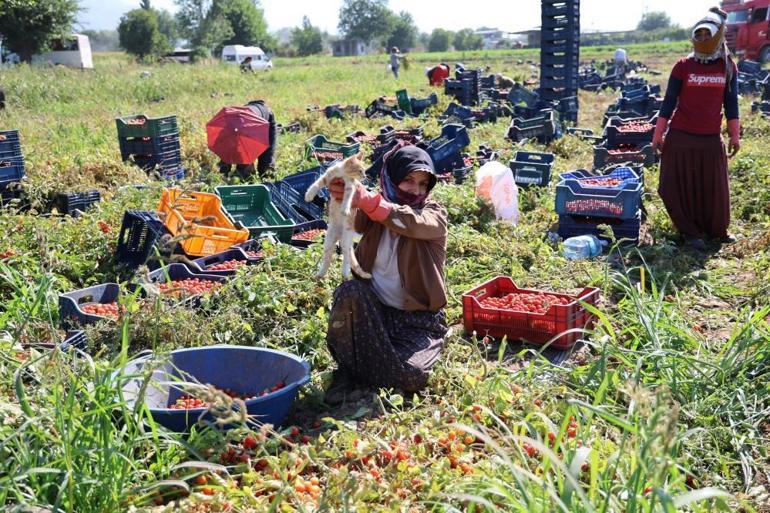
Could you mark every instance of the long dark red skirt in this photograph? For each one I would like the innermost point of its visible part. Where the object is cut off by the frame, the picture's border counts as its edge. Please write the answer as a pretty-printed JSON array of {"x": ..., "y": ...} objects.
[{"x": 694, "y": 185}]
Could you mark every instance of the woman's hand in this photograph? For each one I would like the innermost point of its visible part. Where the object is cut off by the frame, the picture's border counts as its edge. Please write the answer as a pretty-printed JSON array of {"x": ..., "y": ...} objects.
[
  {"x": 657, "y": 137},
  {"x": 337, "y": 189},
  {"x": 734, "y": 129}
]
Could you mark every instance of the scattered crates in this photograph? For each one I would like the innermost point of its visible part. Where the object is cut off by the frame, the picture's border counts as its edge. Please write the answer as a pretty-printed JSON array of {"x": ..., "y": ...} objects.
[
  {"x": 531, "y": 168},
  {"x": 74, "y": 203},
  {"x": 71, "y": 303},
  {"x": 380, "y": 107},
  {"x": 198, "y": 216},
  {"x": 575, "y": 198},
  {"x": 573, "y": 226},
  {"x": 414, "y": 106},
  {"x": 250, "y": 206},
  {"x": 545, "y": 128},
  {"x": 74, "y": 339},
  {"x": 618, "y": 178},
  {"x": 11, "y": 161},
  {"x": 604, "y": 156},
  {"x": 326, "y": 151},
  {"x": 527, "y": 326},
  {"x": 304, "y": 228},
  {"x": 293, "y": 205},
  {"x": 518, "y": 94},
  {"x": 139, "y": 237},
  {"x": 178, "y": 272},
  {"x": 11, "y": 171},
  {"x": 302, "y": 181}
]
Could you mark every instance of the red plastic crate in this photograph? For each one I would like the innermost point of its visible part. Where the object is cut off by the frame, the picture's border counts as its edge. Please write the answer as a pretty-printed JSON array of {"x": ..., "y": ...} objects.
[{"x": 531, "y": 327}]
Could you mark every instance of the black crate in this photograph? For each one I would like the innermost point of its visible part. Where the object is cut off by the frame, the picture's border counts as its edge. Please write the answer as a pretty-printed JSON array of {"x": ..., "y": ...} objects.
[
  {"x": 139, "y": 235},
  {"x": 74, "y": 203}
]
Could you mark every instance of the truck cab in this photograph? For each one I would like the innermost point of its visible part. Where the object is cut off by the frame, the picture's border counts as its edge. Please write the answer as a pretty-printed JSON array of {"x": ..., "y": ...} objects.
[{"x": 748, "y": 28}]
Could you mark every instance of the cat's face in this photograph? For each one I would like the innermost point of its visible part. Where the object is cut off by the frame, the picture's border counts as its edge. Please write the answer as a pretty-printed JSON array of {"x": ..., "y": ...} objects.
[{"x": 353, "y": 167}]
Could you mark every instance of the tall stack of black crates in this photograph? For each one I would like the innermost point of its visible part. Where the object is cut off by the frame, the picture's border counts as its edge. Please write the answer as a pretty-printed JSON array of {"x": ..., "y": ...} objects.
[
  {"x": 560, "y": 55},
  {"x": 152, "y": 143},
  {"x": 466, "y": 86}
]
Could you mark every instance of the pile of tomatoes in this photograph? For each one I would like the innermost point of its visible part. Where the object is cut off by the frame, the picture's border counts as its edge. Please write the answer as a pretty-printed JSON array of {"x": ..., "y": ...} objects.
[
  {"x": 102, "y": 309},
  {"x": 527, "y": 302},
  {"x": 635, "y": 127},
  {"x": 191, "y": 286},
  {"x": 308, "y": 235},
  {"x": 596, "y": 206},
  {"x": 364, "y": 138},
  {"x": 229, "y": 265},
  {"x": 7, "y": 254},
  {"x": 328, "y": 155},
  {"x": 272, "y": 389},
  {"x": 601, "y": 182},
  {"x": 623, "y": 148},
  {"x": 187, "y": 402},
  {"x": 255, "y": 254}
]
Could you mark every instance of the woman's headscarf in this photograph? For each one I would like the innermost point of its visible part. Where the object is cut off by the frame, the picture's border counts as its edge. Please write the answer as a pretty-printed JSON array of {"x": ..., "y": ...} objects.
[
  {"x": 715, "y": 21},
  {"x": 397, "y": 164}
]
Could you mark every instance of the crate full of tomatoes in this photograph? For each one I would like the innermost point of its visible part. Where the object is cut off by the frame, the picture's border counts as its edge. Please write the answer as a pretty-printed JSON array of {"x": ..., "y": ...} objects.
[
  {"x": 498, "y": 308},
  {"x": 579, "y": 193}
]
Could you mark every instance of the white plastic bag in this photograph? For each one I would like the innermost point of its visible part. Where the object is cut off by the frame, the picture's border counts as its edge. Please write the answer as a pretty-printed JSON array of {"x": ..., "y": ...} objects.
[{"x": 494, "y": 181}]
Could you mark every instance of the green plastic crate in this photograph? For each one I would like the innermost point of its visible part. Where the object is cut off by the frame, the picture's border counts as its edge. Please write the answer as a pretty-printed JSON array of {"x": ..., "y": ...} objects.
[
  {"x": 319, "y": 143},
  {"x": 142, "y": 126},
  {"x": 250, "y": 205},
  {"x": 404, "y": 103}
]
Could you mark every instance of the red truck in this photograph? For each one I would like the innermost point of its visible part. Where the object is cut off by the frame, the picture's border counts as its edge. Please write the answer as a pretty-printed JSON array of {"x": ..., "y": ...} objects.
[{"x": 748, "y": 28}]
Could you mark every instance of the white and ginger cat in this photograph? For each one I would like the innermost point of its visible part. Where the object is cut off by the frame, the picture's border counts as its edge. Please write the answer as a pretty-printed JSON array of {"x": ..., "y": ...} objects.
[{"x": 341, "y": 215}]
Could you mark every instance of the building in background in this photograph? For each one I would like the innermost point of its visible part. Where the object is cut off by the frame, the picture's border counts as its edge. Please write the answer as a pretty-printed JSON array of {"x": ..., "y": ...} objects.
[{"x": 349, "y": 47}]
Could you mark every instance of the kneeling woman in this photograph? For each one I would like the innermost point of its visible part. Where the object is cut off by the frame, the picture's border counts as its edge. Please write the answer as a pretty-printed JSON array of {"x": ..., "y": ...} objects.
[{"x": 389, "y": 331}]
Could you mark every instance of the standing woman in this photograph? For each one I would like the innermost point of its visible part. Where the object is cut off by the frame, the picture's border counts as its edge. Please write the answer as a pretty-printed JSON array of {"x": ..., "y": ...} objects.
[
  {"x": 693, "y": 171},
  {"x": 389, "y": 331}
]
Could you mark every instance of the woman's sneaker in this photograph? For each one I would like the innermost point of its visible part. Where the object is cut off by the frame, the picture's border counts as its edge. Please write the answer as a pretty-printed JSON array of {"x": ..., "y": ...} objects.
[{"x": 695, "y": 243}]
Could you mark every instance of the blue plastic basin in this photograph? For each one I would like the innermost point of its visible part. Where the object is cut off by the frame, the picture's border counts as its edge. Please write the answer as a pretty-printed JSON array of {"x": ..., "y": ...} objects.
[{"x": 247, "y": 370}]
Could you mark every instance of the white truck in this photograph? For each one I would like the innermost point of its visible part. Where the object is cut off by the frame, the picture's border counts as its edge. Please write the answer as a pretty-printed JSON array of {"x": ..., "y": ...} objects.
[
  {"x": 73, "y": 51},
  {"x": 236, "y": 54}
]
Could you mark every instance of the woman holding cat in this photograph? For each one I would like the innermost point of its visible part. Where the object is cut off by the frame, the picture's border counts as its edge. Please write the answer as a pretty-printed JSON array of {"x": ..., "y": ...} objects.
[{"x": 389, "y": 331}]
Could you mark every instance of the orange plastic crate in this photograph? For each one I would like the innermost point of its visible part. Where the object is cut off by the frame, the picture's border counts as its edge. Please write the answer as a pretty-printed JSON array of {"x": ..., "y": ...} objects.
[
  {"x": 531, "y": 327},
  {"x": 199, "y": 216}
]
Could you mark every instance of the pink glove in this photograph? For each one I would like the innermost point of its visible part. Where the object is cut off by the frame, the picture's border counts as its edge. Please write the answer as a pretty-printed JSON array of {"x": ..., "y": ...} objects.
[
  {"x": 657, "y": 137},
  {"x": 371, "y": 203},
  {"x": 734, "y": 130}
]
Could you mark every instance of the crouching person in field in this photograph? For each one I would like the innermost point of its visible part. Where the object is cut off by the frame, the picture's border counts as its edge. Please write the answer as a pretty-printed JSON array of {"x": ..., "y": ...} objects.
[{"x": 389, "y": 331}]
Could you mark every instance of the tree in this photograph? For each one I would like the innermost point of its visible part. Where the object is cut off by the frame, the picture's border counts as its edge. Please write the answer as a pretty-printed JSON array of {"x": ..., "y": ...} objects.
[
  {"x": 404, "y": 32},
  {"x": 190, "y": 17},
  {"x": 145, "y": 5},
  {"x": 439, "y": 40},
  {"x": 29, "y": 25},
  {"x": 307, "y": 39},
  {"x": 654, "y": 20},
  {"x": 366, "y": 20},
  {"x": 466, "y": 39},
  {"x": 247, "y": 22},
  {"x": 167, "y": 25},
  {"x": 139, "y": 34}
]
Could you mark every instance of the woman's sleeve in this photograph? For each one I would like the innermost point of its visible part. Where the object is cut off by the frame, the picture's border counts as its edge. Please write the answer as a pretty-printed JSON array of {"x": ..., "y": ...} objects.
[
  {"x": 361, "y": 222},
  {"x": 672, "y": 92},
  {"x": 731, "y": 97},
  {"x": 427, "y": 223}
]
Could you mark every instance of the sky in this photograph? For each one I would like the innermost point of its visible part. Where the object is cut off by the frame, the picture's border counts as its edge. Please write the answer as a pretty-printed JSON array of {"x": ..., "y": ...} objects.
[{"x": 511, "y": 15}]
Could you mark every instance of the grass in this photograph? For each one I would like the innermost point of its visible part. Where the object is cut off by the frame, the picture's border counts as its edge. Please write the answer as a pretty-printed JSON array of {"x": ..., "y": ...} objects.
[{"x": 665, "y": 409}]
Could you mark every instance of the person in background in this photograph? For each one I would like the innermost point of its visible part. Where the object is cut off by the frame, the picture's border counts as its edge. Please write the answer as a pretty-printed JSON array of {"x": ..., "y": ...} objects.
[
  {"x": 2, "y": 99},
  {"x": 246, "y": 65},
  {"x": 395, "y": 57},
  {"x": 504, "y": 82},
  {"x": 389, "y": 331},
  {"x": 265, "y": 161},
  {"x": 437, "y": 74},
  {"x": 621, "y": 61},
  {"x": 694, "y": 183}
]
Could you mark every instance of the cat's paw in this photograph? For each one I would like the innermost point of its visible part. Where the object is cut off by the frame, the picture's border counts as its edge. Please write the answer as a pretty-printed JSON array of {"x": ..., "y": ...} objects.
[
  {"x": 309, "y": 195},
  {"x": 346, "y": 212}
]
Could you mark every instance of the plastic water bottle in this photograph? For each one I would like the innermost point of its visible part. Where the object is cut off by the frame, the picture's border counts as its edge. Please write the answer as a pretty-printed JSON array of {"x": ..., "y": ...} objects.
[{"x": 582, "y": 247}]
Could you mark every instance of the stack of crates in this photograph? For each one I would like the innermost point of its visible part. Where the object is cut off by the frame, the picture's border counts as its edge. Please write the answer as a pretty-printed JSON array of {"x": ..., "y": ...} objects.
[
  {"x": 11, "y": 164},
  {"x": 151, "y": 143},
  {"x": 584, "y": 201},
  {"x": 560, "y": 54},
  {"x": 466, "y": 87}
]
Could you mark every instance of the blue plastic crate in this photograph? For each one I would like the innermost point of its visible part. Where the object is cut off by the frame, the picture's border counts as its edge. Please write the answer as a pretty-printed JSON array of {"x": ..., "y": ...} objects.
[
  {"x": 139, "y": 235},
  {"x": 247, "y": 370},
  {"x": 573, "y": 226},
  {"x": 169, "y": 160},
  {"x": 70, "y": 312},
  {"x": 445, "y": 149},
  {"x": 203, "y": 265},
  {"x": 302, "y": 181},
  {"x": 11, "y": 170},
  {"x": 292, "y": 204},
  {"x": 519, "y": 94},
  {"x": 564, "y": 46},
  {"x": 73, "y": 203},
  {"x": 531, "y": 168},
  {"x": 545, "y": 127},
  {"x": 641, "y": 155},
  {"x": 560, "y": 8},
  {"x": 300, "y": 228},
  {"x": 569, "y": 22},
  {"x": 574, "y": 199},
  {"x": 629, "y": 179},
  {"x": 148, "y": 145},
  {"x": 178, "y": 272}
]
